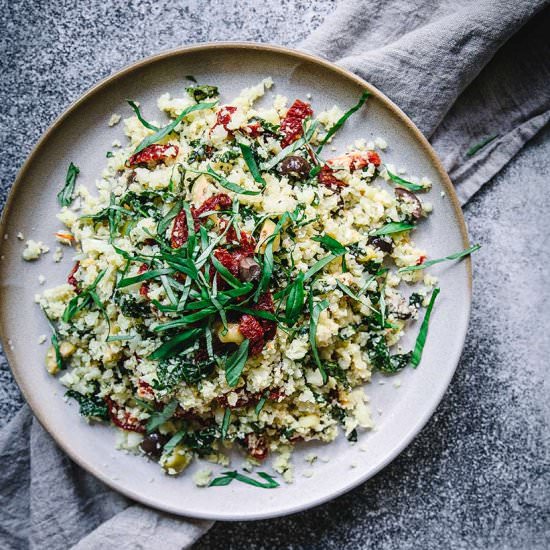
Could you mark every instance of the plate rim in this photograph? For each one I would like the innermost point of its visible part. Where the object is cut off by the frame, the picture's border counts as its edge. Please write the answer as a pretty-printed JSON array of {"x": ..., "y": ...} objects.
[{"x": 449, "y": 189}]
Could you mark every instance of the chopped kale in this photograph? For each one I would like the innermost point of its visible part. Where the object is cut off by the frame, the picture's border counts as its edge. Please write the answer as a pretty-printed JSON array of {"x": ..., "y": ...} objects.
[
  {"x": 415, "y": 299},
  {"x": 384, "y": 361},
  {"x": 177, "y": 369},
  {"x": 90, "y": 405},
  {"x": 352, "y": 436},
  {"x": 200, "y": 93},
  {"x": 131, "y": 307}
]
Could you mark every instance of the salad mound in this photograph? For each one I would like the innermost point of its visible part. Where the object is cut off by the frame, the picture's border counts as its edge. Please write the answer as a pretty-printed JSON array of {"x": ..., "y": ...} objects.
[{"x": 233, "y": 283}]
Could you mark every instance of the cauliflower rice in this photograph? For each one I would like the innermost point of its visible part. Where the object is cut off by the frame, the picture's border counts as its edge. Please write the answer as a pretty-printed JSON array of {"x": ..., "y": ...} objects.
[{"x": 230, "y": 285}]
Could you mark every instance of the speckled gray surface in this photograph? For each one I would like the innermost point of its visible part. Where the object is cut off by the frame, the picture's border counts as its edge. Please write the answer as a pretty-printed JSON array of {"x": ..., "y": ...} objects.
[{"x": 477, "y": 476}]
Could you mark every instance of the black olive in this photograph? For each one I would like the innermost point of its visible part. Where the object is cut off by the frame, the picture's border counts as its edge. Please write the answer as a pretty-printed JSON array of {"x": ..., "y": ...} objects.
[
  {"x": 295, "y": 166},
  {"x": 249, "y": 270},
  {"x": 152, "y": 444},
  {"x": 385, "y": 245},
  {"x": 407, "y": 196}
]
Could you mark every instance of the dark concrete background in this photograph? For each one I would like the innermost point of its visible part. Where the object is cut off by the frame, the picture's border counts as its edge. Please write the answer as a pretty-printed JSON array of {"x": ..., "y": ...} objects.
[{"x": 478, "y": 475}]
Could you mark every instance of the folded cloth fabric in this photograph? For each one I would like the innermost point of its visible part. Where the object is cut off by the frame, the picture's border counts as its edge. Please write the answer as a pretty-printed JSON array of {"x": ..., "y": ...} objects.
[
  {"x": 429, "y": 58},
  {"x": 437, "y": 61}
]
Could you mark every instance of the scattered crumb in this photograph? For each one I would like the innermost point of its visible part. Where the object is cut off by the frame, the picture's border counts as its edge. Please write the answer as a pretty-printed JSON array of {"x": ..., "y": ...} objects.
[
  {"x": 381, "y": 382},
  {"x": 152, "y": 480},
  {"x": 308, "y": 473},
  {"x": 42, "y": 338},
  {"x": 311, "y": 458},
  {"x": 363, "y": 447},
  {"x": 334, "y": 148},
  {"x": 20, "y": 236},
  {"x": 58, "y": 255},
  {"x": 379, "y": 411},
  {"x": 443, "y": 194},
  {"x": 117, "y": 143},
  {"x": 353, "y": 465},
  {"x": 33, "y": 250},
  {"x": 115, "y": 119},
  {"x": 381, "y": 143},
  {"x": 308, "y": 96},
  {"x": 202, "y": 477},
  {"x": 6, "y": 237},
  {"x": 397, "y": 384},
  {"x": 41, "y": 279},
  {"x": 401, "y": 171},
  {"x": 324, "y": 459},
  {"x": 64, "y": 237}
]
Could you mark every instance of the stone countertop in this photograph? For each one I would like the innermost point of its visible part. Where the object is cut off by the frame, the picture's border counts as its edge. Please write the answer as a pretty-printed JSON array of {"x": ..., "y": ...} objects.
[{"x": 477, "y": 476}]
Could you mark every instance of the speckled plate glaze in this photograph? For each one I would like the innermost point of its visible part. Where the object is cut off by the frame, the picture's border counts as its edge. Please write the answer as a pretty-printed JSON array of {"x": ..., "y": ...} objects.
[{"x": 401, "y": 404}]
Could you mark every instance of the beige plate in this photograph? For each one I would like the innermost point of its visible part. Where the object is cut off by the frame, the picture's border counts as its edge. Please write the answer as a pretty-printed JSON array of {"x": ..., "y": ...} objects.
[{"x": 81, "y": 135}]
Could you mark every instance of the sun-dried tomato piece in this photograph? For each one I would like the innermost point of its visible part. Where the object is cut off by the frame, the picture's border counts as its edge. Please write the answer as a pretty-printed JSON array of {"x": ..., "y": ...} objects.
[
  {"x": 265, "y": 303},
  {"x": 223, "y": 116},
  {"x": 180, "y": 231},
  {"x": 421, "y": 260},
  {"x": 145, "y": 389},
  {"x": 355, "y": 160},
  {"x": 256, "y": 445},
  {"x": 291, "y": 125},
  {"x": 71, "y": 279},
  {"x": 246, "y": 242},
  {"x": 144, "y": 288},
  {"x": 153, "y": 155},
  {"x": 254, "y": 129},
  {"x": 251, "y": 328},
  {"x": 128, "y": 422},
  {"x": 275, "y": 395},
  {"x": 228, "y": 260},
  {"x": 326, "y": 177},
  {"x": 221, "y": 201}
]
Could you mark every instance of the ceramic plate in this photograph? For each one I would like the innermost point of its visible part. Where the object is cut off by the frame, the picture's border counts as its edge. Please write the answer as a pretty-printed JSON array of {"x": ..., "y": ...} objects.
[{"x": 81, "y": 135}]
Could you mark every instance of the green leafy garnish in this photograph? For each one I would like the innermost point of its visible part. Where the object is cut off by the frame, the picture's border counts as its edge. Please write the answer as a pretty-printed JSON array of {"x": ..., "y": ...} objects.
[
  {"x": 248, "y": 156},
  {"x": 428, "y": 263},
  {"x": 340, "y": 122},
  {"x": 83, "y": 300},
  {"x": 176, "y": 344},
  {"x": 295, "y": 301},
  {"x": 65, "y": 196},
  {"x": 235, "y": 364},
  {"x": 224, "y": 182},
  {"x": 260, "y": 405},
  {"x": 404, "y": 183},
  {"x": 200, "y": 93},
  {"x": 316, "y": 310},
  {"x": 478, "y": 146},
  {"x": 136, "y": 110},
  {"x": 164, "y": 131},
  {"x": 423, "y": 333},
  {"x": 90, "y": 405},
  {"x": 225, "y": 422},
  {"x": 227, "y": 477},
  {"x": 330, "y": 244},
  {"x": 392, "y": 227},
  {"x": 159, "y": 418},
  {"x": 145, "y": 276}
]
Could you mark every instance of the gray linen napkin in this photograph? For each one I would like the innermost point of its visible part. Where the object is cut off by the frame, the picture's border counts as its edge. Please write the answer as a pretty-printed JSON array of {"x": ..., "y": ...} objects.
[{"x": 430, "y": 59}]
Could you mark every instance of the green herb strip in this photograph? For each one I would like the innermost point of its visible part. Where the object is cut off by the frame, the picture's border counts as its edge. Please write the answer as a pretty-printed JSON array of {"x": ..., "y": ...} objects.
[
  {"x": 83, "y": 300},
  {"x": 176, "y": 344},
  {"x": 404, "y": 183},
  {"x": 260, "y": 405},
  {"x": 478, "y": 146},
  {"x": 393, "y": 227},
  {"x": 456, "y": 256},
  {"x": 225, "y": 183},
  {"x": 423, "y": 333},
  {"x": 316, "y": 310},
  {"x": 248, "y": 156},
  {"x": 295, "y": 301},
  {"x": 146, "y": 275},
  {"x": 170, "y": 215},
  {"x": 159, "y": 418},
  {"x": 173, "y": 441},
  {"x": 341, "y": 121},
  {"x": 225, "y": 423},
  {"x": 235, "y": 364},
  {"x": 163, "y": 132},
  {"x": 136, "y": 110},
  {"x": 227, "y": 477},
  {"x": 65, "y": 196}
]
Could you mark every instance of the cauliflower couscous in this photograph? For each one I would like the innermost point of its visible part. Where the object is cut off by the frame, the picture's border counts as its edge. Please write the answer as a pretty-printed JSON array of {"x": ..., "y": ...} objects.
[{"x": 233, "y": 286}]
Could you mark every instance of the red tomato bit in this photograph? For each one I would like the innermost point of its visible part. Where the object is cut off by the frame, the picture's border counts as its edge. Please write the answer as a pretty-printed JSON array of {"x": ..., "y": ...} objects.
[
  {"x": 326, "y": 177},
  {"x": 71, "y": 279},
  {"x": 223, "y": 117},
  {"x": 129, "y": 422},
  {"x": 153, "y": 155},
  {"x": 256, "y": 445},
  {"x": 291, "y": 125}
]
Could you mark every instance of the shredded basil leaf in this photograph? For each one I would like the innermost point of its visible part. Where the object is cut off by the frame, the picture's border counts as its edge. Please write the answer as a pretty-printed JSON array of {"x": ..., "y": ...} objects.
[
  {"x": 227, "y": 477},
  {"x": 340, "y": 122},
  {"x": 393, "y": 227},
  {"x": 235, "y": 364},
  {"x": 248, "y": 156},
  {"x": 176, "y": 344},
  {"x": 295, "y": 301},
  {"x": 478, "y": 146},
  {"x": 90, "y": 405},
  {"x": 455, "y": 256},
  {"x": 65, "y": 196},
  {"x": 404, "y": 183},
  {"x": 200, "y": 93},
  {"x": 164, "y": 131},
  {"x": 225, "y": 423},
  {"x": 423, "y": 333},
  {"x": 159, "y": 418},
  {"x": 136, "y": 110}
]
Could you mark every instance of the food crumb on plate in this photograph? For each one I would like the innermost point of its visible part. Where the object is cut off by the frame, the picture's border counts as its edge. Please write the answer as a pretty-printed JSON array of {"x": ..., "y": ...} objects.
[
  {"x": 202, "y": 477},
  {"x": 308, "y": 473},
  {"x": 20, "y": 236},
  {"x": 34, "y": 249},
  {"x": 41, "y": 279},
  {"x": 42, "y": 338},
  {"x": 397, "y": 384},
  {"x": 115, "y": 119}
]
